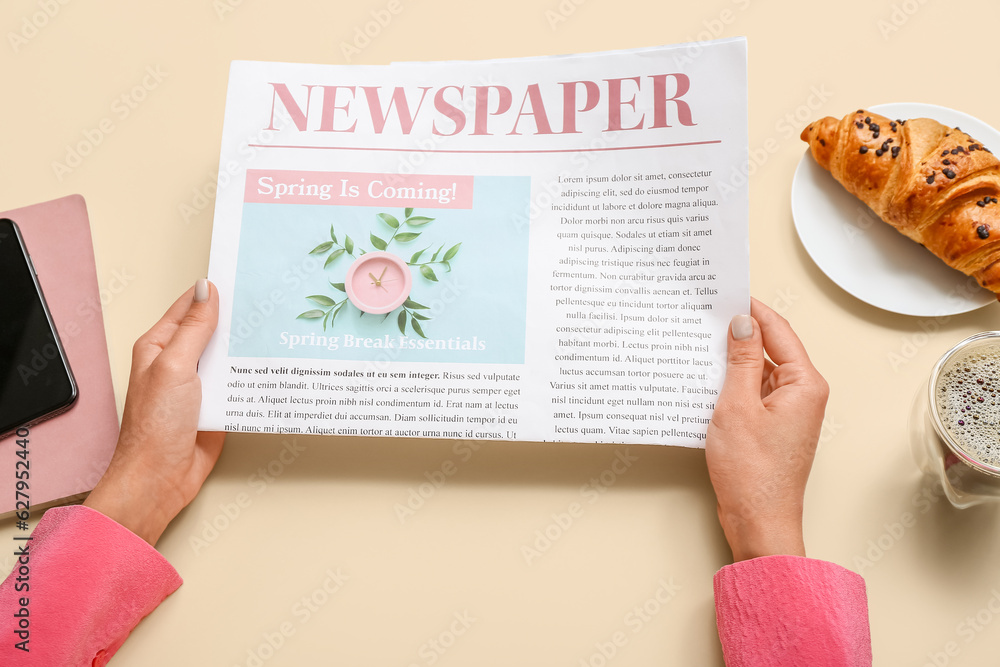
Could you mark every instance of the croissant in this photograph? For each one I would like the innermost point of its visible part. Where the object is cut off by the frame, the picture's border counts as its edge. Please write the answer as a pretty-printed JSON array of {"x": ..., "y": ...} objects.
[{"x": 935, "y": 184}]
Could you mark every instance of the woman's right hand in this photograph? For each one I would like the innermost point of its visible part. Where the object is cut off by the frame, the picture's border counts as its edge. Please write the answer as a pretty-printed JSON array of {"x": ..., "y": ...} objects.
[{"x": 763, "y": 435}]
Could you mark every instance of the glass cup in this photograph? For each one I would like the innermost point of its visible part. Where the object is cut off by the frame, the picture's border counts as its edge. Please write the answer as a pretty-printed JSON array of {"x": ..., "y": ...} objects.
[{"x": 955, "y": 421}]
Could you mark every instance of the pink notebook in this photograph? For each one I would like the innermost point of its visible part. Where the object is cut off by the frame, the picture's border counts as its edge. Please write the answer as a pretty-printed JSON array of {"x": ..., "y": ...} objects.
[{"x": 70, "y": 452}]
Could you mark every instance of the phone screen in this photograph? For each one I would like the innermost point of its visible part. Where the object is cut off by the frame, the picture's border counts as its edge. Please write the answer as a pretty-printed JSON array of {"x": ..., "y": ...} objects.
[{"x": 35, "y": 379}]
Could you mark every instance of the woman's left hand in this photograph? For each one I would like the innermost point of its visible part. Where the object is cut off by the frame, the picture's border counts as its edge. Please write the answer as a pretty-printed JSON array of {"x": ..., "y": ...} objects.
[{"x": 162, "y": 460}]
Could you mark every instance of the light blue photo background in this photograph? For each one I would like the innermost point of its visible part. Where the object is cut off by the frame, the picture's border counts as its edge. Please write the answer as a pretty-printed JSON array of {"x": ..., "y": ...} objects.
[{"x": 483, "y": 297}]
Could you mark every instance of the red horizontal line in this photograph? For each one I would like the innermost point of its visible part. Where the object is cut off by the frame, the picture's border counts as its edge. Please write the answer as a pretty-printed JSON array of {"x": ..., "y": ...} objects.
[{"x": 442, "y": 150}]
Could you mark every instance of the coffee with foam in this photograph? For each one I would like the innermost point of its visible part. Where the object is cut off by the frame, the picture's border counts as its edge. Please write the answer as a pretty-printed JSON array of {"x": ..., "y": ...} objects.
[{"x": 967, "y": 401}]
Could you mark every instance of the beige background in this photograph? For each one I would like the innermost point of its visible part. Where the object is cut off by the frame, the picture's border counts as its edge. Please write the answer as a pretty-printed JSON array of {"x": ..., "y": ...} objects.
[{"x": 332, "y": 505}]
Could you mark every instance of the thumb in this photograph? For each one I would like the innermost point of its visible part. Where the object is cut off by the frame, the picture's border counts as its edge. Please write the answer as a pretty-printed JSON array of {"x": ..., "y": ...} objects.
[
  {"x": 744, "y": 362},
  {"x": 197, "y": 325}
]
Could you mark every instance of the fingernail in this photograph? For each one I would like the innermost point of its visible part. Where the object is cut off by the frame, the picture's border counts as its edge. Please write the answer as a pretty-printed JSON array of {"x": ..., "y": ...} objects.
[
  {"x": 742, "y": 327},
  {"x": 201, "y": 290}
]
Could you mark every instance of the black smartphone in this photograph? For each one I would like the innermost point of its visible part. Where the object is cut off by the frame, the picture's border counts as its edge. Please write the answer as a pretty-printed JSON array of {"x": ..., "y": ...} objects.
[{"x": 35, "y": 379}]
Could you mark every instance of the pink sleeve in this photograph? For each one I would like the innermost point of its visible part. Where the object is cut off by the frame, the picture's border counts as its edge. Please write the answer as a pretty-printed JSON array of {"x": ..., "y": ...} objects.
[
  {"x": 788, "y": 610},
  {"x": 86, "y": 582}
]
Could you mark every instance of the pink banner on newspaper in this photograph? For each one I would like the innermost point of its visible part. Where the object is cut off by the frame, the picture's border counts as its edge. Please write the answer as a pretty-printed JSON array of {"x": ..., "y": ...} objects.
[{"x": 275, "y": 186}]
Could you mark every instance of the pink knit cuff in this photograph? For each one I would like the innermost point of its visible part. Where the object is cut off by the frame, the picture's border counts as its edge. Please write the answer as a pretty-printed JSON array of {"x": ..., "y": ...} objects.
[
  {"x": 789, "y": 610},
  {"x": 91, "y": 582}
]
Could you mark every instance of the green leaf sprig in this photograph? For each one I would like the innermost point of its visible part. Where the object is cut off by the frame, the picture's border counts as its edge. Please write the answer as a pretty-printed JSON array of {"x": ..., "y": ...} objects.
[
  {"x": 403, "y": 237},
  {"x": 409, "y": 311},
  {"x": 338, "y": 249},
  {"x": 331, "y": 306},
  {"x": 425, "y": 267}
]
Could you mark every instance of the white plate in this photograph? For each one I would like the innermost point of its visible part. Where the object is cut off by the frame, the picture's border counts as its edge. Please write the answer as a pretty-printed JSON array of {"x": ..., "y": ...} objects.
[{"x": 866, "y": 256}]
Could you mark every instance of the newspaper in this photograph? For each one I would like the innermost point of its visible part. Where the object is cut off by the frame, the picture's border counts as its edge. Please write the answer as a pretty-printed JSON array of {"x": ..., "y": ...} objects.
[{"x": 544, "y": 249}]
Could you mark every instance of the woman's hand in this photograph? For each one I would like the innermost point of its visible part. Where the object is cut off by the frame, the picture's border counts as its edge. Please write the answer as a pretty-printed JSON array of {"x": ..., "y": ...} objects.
[
  {"x": 763, "y": 435},
  {"x": 162, "y": 459}
]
